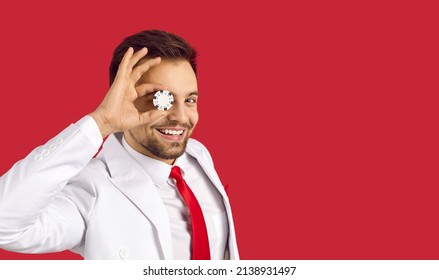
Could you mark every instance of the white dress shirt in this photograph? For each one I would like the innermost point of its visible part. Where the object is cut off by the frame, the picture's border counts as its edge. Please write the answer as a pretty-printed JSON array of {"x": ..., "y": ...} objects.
[{"x": 209, "y": 198}]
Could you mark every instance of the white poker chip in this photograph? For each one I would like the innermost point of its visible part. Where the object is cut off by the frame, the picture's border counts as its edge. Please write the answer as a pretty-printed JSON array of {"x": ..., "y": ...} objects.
[{"x": 163, "y": 100}]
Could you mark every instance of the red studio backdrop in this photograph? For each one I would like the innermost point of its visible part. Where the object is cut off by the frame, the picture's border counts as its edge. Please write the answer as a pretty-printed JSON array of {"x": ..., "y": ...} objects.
[{"x": 321, "y": 116}]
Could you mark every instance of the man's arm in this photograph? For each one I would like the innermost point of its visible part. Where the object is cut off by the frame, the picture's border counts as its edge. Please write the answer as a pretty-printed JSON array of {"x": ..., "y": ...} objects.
[{"x": 35, "y": 215}]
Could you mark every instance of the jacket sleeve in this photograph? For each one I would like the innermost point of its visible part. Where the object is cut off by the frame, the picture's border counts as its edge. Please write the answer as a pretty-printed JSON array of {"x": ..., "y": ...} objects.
[{"x": 36, "y": 216}]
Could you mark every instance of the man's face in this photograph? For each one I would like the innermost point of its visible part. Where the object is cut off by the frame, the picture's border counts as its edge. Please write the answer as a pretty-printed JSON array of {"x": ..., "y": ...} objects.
[{"x": 166, "y": 135}]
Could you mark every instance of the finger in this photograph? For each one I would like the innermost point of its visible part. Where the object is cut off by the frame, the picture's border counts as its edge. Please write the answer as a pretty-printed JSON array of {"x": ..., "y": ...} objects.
[
  {"x": 123, "y": 65},
  {"x": 144, "y": 89},
  {"x": 137, "y": 57},
  {"x": 139, "y": 70}
]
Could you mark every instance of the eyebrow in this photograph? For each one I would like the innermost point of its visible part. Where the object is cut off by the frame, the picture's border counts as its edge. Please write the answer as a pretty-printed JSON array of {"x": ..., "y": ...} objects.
[{"x": 193, "y": 93}]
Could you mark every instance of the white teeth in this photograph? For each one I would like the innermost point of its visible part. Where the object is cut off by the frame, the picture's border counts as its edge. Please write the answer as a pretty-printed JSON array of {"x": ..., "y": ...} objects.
[{"x": 171, "y": 132}]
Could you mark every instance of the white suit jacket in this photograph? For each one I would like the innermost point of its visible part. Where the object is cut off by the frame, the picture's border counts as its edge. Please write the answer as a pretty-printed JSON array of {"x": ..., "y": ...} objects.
[{"x": 59, "y": 198}]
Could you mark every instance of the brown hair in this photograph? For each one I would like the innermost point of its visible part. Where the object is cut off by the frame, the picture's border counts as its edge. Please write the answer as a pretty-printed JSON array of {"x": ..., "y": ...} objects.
[{"x": 159, "y": 43}]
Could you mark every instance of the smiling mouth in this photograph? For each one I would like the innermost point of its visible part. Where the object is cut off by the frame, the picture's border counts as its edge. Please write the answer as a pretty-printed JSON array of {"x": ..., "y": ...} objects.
[{"x": 171, "y": 132}]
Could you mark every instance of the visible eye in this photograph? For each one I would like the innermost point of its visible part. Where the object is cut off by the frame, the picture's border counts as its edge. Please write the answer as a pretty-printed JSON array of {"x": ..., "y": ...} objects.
[{"x": 191, "y": 100}]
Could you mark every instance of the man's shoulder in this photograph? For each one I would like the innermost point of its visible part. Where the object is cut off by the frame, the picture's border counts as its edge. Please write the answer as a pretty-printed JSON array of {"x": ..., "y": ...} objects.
[
  {"x": 97, "y": 164},
  {"x": 195, "y": 144},
  {"x": 196, "y": 147},
  {"x": 96, "y": 169}
]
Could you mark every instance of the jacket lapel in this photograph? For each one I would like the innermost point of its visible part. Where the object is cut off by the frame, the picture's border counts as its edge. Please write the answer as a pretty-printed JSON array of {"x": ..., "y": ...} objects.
[
  {"x": 132, "y": 181},
  {"x": 206, "y": 164}
]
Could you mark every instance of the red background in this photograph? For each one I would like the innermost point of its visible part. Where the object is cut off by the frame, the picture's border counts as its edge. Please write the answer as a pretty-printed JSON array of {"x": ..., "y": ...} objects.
[{"x": 320, "y": 115}]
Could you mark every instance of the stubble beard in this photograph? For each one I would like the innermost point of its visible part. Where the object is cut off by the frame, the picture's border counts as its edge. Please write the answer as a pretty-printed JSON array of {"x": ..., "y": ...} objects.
[
  {"x": 172, "y": 151},
  {"x": 154, "y": 146}
]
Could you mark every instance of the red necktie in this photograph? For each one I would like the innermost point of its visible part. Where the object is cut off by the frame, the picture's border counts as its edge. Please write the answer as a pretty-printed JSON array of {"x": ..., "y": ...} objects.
[{"x": 200, "y": 240}]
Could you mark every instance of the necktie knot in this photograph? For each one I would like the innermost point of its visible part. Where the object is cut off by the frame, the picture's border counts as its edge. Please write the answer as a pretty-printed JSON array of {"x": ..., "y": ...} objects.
[{"x": 176, "y": 173}]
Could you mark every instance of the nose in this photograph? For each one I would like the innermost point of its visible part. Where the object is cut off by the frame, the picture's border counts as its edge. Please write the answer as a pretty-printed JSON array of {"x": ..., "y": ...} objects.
[{"x": 178, "y": 113}]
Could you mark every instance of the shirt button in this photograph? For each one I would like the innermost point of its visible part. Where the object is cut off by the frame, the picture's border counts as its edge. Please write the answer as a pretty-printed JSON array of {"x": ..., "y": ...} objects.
[
  {"x": 59, "y": 141},
  {"x": 123, "y": 253},
  {"x": 53, "y": 147},
  {"x": 38, "y": 157},
  {"x": 45, "y": 152}
]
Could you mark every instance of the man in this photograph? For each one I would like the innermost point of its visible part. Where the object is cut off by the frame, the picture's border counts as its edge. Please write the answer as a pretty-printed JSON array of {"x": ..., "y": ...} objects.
[{"x": 150, "y": 193}]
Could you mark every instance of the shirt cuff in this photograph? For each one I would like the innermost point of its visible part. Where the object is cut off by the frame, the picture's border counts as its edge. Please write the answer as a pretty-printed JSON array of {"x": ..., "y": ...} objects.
[{"x": 90, "y": 128}]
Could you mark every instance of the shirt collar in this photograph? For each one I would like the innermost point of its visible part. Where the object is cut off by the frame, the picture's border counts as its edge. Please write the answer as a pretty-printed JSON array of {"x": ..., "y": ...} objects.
[{"x": 156, "y": 169}]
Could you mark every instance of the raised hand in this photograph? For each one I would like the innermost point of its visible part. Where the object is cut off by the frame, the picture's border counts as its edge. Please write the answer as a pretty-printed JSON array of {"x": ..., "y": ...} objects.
[{"x": 117, "y": 111}]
